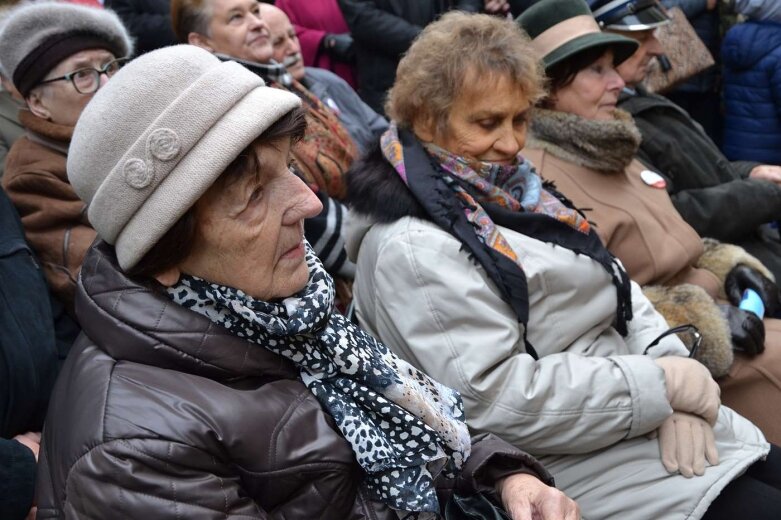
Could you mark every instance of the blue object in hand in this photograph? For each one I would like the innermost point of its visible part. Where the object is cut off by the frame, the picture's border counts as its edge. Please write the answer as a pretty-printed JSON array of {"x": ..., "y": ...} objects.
[{"x": 753, "y": 303}]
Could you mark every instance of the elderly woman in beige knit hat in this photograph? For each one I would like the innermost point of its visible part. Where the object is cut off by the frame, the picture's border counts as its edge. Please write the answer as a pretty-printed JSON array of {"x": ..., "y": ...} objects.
[
  {"x": 213, "y": 379},
  {"x": 57, "y": 55},
  {"x": 579, "y": 140}
]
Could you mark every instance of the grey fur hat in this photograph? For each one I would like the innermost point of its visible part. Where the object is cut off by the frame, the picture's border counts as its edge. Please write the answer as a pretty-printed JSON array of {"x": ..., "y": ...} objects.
[
  {"x": 158, "y": 135},
  {"x": 35, "y": 37}
]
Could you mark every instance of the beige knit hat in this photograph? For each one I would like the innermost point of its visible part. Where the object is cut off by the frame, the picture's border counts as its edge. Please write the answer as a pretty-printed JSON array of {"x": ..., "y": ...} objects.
[{"x": 157, "y": 135}]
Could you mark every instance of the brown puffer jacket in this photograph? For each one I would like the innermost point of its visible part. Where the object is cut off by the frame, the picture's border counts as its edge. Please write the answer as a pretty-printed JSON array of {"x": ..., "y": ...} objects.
[{"x": 159, "y": 413}]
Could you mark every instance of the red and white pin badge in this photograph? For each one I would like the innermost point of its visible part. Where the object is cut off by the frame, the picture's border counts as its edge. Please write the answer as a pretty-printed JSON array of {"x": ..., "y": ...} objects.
[{"x": 653, "y": 179}]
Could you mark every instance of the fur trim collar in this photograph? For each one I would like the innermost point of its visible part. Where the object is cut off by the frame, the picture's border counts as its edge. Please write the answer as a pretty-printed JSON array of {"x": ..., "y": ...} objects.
[
  {"x": 45, "y": 132},
  {"x": 604, "y": 146},
  {"x": 375, "y": 190}
]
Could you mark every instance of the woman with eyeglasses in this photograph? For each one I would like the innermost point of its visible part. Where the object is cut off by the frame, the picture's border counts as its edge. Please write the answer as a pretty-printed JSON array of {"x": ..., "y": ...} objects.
[{"x": 57, "y": 55}]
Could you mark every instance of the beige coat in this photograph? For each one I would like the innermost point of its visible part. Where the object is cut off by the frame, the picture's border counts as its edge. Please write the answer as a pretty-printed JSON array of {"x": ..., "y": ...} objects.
[{"x": 639, "y": 225}]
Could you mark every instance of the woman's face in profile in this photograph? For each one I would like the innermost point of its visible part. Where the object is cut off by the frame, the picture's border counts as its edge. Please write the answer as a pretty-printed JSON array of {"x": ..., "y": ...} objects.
[
  {"x": 251, "y": 227},
  {"x": 487, "y": 121},
  {"x": 593, "y": 93}
]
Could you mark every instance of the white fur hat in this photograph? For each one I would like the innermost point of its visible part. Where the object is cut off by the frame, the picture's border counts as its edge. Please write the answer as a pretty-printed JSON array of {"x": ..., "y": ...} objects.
[
  {"x": 158, "y": 135},
  {"x": 35, "y": 37}
]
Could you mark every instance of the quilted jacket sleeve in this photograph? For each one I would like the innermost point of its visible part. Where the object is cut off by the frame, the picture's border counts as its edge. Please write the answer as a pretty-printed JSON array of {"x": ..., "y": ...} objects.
[{"x": 147, "y": 478}]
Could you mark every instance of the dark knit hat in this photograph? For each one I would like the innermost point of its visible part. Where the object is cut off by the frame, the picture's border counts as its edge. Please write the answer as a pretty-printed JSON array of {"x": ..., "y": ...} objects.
[
  {"x": 562, "y": 28},
  {"x": 628, "y": 15},
  {"x": 34, "y": 38}
]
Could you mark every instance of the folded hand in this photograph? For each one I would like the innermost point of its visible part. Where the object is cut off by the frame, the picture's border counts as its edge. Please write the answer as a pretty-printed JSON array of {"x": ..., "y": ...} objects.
[
  {"x": 525, "y": 497},
  {"x": 690, "y": 387},
  {"x": 686, "y": 442}
]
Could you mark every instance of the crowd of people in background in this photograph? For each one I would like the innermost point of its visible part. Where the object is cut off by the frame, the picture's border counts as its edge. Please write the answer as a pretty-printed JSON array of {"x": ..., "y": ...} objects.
[{"x": 389, "y": 259}]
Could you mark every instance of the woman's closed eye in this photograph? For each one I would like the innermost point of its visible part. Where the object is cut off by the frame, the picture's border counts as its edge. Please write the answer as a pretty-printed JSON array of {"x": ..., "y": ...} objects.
[
  {"x": 256, "y": 194},
  {"x": 488, "y": 124}
]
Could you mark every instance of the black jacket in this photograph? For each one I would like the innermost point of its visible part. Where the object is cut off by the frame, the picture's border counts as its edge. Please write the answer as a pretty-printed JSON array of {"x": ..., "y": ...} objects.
[
  {"x": 383, "y": 30},
  {"x": 715, "y": 196},
  {"x": 30, "y": 356},
  {"x": 148, "y": 21},
  {"x": 159, "y": 413}
]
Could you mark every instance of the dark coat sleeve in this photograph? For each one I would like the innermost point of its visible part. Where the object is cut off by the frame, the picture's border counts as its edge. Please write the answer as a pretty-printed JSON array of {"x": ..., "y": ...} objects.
[
  {"x": 17, "y": 479},
  {"x": 491, "y": 460},
  {"x": 379, "y": 30},
  {"x": 729, "y": 211},
  {"x": 150, "y": 25}
]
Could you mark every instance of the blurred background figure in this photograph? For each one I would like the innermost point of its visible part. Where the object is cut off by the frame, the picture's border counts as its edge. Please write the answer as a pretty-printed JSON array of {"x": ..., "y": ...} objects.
[
  {"x": 148, "y": 21},
  {"x": 57, "y": 56},
  {"x": 752, "y": 90},
  {"x": 383, "y": 30},
  {"x": 323, "y": 34},
  {"x": 10, "y": 127},
  {"x": 364, "y": 124}
]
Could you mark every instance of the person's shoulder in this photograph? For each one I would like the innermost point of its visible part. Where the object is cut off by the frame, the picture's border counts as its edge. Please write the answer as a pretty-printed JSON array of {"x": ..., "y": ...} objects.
[{"x": 327, "y": 79}]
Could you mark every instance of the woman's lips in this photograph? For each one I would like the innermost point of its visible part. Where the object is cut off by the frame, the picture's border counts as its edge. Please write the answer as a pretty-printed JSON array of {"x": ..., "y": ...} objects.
[{"x": 294, "y": 252}]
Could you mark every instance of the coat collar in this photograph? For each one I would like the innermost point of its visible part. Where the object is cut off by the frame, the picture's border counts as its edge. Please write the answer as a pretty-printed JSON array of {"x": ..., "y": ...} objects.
[
  {"x": 605, "y": 146},
  {"x": 136, "y": 322},
  {"x": 45, "y": 132}
]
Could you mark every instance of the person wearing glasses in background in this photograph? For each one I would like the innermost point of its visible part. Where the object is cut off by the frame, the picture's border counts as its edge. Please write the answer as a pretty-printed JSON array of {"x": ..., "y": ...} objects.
[{"x": 57, "y": 55}]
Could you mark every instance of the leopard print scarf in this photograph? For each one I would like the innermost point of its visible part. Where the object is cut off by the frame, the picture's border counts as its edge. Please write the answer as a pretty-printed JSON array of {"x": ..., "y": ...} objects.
[{"x": 404, "y": 427}]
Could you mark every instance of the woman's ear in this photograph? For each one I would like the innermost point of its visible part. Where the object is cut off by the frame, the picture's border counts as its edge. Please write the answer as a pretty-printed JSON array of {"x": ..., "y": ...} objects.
[
  {"x": 169, "y": 277},
  {"x": 424, "y": 128},
  {"x": 37, "y": 105},
  {"x": 199, "y": 40}
]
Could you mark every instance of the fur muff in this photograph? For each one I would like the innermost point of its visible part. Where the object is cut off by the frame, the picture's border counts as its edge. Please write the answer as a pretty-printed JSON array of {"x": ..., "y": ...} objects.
[
  {"x": 719, "y": 259},
  {"x": 687, "y": 303}
]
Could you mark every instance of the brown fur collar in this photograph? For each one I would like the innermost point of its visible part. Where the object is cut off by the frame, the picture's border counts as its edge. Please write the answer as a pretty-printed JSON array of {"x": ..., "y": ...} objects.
[
  {"x": 604, "y": 146},
  {"x": 50, "y": 133}
]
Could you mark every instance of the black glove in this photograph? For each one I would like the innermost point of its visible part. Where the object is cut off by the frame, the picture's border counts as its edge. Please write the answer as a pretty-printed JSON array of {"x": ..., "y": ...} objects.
[
  {"x": 743, "y": 277},
  {"x": 747, "y": 330},
  {"x": 339, "y": 47}
]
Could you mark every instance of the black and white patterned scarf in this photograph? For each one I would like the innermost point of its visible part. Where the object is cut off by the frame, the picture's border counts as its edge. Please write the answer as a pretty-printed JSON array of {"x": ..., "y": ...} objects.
[{"x": 404, "y": 427}]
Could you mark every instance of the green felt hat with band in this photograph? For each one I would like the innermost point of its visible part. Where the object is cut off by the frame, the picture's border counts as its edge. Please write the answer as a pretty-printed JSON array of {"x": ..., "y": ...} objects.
[{"x": 562, "y": 28}]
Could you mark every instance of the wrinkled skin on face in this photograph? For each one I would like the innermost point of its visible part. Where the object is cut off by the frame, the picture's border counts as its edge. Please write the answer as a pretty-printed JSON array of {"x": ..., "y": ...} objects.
[
  {"x": 250, "y": 229},
  {"x": 634, "y": 70},
  {"x": 59, "y": 102},
  {"x": 284, "y": 41},
  {"x": 236, "y": 29},
  {"x": 594, "y": 91},
  {"x": 487, "y": 120}
]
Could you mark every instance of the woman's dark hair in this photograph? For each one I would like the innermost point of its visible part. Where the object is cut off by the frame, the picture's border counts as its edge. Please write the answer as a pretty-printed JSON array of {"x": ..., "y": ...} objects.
[
  {"x": 178, "y": 241},
  {"x": 563, "y": 73}
]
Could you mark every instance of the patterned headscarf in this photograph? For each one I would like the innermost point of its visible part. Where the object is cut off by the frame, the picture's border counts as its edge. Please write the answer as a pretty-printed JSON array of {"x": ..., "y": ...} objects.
[{"x": 403, "y": 427}]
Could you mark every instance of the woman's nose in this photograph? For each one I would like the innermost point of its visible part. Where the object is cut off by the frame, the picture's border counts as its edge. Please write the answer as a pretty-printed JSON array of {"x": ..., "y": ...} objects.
[
  {"x": 508, "y": 144},
  {"x": 303, "y": 203},
  {"x": 614, "y": 80}
]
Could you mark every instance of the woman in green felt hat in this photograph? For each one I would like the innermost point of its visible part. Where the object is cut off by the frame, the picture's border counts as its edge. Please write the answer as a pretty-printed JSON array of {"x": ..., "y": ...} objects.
[{"x": 580, "y": 141}]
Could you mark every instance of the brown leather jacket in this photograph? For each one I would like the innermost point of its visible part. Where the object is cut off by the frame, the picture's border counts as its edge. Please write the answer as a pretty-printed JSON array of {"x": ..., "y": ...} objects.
[
  {"x": 159, "y": 413},
  {"x": 54, "y": 218}
]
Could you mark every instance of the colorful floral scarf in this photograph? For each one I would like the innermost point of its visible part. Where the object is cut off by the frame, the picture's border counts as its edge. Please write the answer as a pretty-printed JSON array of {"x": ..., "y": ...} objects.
[
  {"x": 404, "y": 427},
  {"x": 490, "y": 195}
]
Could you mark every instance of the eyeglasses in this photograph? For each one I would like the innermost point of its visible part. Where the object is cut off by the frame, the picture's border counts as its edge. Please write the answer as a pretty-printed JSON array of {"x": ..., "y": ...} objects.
[
  {"x": 696, "y": 338},
  {"x": 87, "y": 80}
]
